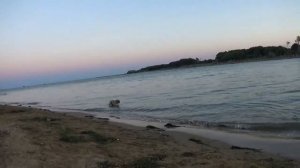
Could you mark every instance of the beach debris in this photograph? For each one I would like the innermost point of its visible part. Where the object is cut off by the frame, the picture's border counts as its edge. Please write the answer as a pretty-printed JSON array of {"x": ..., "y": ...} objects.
[
  {"x": 98, "y": 138},
  {"x": 158, "y": 156},
  {"x": 106, "y": 164},
  {"x": 197, "y": 141},
  {"x": 4, "y": 133},
  {"x": 72, "y": 136},
  {"x": 112, "y": 116},
  {"x": 151, "y": 161},
  {"x": 151, "y": 127},
  {"x": 103, "y": 119},
  {"x": 41, "y": 119},
  {"x": 271, "y": 159},
  {"x": 18, "y": 111},
  {"x": 52, "y": 119},
  {"x": 68, "y": 135},
  {"x": 244, "y": 148},
  {"x": 169, "y": 125},
  {"x": 188, "y": 154},
  {"x": 33, "y": 103},
  {"x": 46, "y": 119},
  {"x": 222, "y": 126},
  {"x": 114, "y": 103},
  {"x": 89, "y": 116},
  {"x": 163, "y": 134}
]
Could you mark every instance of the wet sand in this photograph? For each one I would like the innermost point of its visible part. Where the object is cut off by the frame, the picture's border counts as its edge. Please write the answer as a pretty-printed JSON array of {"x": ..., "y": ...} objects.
[
  {"x": 289, "y": 148},
  {"x": 31, "y": 137}
]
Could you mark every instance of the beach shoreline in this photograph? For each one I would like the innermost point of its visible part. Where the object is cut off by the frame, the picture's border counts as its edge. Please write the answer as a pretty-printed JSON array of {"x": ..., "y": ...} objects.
[
  {"x": 289, "y": 148},
  {"x": 282, "y": 146},
  {"x": 32, "y": 137}
]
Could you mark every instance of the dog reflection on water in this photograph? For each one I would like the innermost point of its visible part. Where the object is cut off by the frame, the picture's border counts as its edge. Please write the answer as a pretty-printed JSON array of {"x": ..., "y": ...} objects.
[{"x": 114, "y": 103}]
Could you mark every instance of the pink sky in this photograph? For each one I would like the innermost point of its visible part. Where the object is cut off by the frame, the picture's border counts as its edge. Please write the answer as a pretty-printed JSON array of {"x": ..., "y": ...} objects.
[{"x": 62, "y": 37}]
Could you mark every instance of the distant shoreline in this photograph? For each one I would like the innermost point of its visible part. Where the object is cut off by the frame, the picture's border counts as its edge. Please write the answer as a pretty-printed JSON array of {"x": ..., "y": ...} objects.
[
  {"x": 183, "y": 63},
  {"x": 186, "y": 66},
  {"x": 225, "y": 63},
  {"x": 228, "y": 57}
]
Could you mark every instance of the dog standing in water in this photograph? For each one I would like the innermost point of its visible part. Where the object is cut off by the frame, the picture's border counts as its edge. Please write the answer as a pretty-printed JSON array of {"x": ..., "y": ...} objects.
[{"x": 114, "y": 103}]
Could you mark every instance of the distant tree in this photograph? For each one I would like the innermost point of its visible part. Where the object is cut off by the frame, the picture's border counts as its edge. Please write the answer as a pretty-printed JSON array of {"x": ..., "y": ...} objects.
[
  {"x": 297, "y": 40},
  {"x": 295, "y": 48},
  {"x": 288, "y": 44},
  {"x": 252, "y": 53}
]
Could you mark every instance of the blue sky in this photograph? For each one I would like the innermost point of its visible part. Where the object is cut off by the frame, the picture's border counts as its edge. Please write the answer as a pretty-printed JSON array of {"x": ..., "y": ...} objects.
[{"x": 56, "y": 40}]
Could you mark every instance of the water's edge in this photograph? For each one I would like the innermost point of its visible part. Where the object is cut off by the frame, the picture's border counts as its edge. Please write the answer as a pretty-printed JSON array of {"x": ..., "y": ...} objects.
[{"x": 289, "y": 148}]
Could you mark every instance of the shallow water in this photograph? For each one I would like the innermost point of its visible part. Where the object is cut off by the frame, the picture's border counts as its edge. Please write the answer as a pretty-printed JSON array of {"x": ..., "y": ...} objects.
[{"x": 261, "y": 97}]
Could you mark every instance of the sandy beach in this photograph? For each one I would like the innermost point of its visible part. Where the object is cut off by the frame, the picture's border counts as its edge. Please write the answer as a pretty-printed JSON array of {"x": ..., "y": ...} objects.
[{"x": 31, "y": 137}]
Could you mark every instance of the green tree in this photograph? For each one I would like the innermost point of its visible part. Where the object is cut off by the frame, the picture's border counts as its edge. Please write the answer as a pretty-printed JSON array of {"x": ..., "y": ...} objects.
[
  {"x": 297, "y": 40},
  {"x": 288, "y": 44},
  {"x": 295, "y": 48}
]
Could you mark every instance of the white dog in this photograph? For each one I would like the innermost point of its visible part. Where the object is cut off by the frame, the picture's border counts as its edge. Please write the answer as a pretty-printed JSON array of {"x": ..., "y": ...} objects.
[{"x": 114, "y": 103}]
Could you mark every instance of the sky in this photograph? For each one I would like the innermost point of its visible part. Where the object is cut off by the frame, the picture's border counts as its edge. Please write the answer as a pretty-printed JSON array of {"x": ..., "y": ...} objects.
[{"x": 45, "y": 41}]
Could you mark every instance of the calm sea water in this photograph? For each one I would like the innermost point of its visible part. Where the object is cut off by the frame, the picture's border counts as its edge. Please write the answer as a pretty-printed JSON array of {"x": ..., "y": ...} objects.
[{"x": 262, "y": 97}]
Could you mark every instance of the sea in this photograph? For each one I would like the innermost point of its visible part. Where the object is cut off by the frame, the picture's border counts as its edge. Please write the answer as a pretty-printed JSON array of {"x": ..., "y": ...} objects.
[{"x": 260, "y": 98}]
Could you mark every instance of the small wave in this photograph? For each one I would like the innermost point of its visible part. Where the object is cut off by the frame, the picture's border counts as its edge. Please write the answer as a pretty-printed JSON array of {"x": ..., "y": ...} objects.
[
  {"x": 276, "y": 127},
  {"x": 127, "y": 110},
  {"x": 32, "y": 103},
  {"x": 3, "y": 93},
  {"x": 217, "y": 91},
  {"x": 146, "y": 109},
  {"x": 265, "y": 127},
  {"x": 182, "y": 97},
  {"x": 95, "y": 109},
  {"x": 291, "y": 129},
  {"x": 292, "y": 91},
  {"x": 208, "y": 124}
]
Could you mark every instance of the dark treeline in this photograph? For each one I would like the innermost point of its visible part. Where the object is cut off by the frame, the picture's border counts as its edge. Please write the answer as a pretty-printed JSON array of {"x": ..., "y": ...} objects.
[
  {"x": 175, "y": 64},
  {"x": 253, "y": 53}
]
